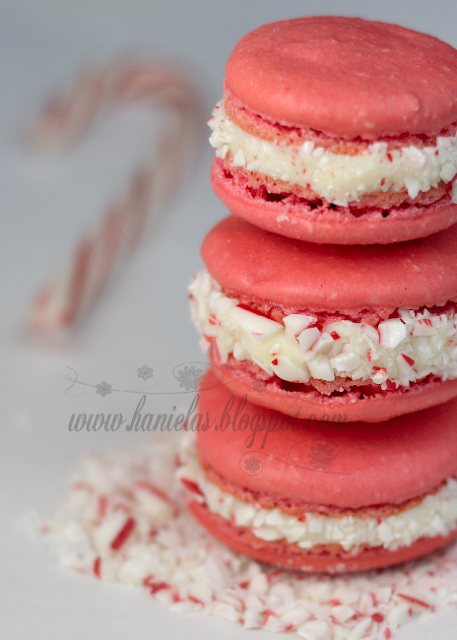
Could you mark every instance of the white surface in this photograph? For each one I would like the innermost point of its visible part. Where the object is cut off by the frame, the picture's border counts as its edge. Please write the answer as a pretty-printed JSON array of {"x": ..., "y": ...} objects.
[{"x": 143, "y": 319}]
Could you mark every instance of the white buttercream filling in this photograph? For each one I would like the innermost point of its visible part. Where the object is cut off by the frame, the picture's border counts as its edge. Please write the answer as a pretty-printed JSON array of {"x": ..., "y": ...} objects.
[
  {"x": 338, "y": 178},
  {"x": 400, "y": 350},
  {"x": 435, "y": 515}
]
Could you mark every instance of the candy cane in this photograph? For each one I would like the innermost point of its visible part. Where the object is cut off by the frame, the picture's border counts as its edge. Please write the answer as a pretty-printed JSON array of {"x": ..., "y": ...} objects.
[{"x": 61, "y": 305}]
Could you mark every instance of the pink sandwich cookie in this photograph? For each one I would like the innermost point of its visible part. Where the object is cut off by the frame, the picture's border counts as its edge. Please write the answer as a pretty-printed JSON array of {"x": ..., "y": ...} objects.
[
  {"x": 339, "y": 130},
  {"x": 322, "y": 496},
  {"x": 314, "y": 329}
]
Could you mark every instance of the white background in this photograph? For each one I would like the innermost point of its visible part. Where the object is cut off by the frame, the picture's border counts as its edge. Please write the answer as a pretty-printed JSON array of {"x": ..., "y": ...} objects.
[{"x": 45, "y": 204}]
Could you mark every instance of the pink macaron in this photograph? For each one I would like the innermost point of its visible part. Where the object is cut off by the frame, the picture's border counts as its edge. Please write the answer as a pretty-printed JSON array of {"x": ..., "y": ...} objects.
[
  {"x": 319, "y": 495},
  {"x": 339, "y": 130},
  {"x": 308, "y": 329}
]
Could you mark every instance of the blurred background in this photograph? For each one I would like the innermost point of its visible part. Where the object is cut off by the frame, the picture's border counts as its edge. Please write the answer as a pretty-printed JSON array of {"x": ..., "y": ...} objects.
[{"x": 46, "y": 203}]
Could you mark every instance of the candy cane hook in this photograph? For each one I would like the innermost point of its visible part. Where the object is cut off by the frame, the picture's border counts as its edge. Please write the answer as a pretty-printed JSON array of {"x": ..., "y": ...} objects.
[{"x": 61, "y": 305}]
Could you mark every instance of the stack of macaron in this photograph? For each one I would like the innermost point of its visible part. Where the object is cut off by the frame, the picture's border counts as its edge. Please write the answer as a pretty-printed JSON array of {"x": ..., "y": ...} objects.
[{"x": 327, "y": 424}]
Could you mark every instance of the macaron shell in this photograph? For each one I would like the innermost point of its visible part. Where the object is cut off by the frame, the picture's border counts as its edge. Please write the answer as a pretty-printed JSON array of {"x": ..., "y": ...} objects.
[
  {"x": 291, "y": 557},
  {"x": 382, "y": 406},
  {"x": 296, "y": 71},
  {"x": 247, "y": 260},
  {"x": 332, "y": 227},
  {"x": 387, "y": 463}
]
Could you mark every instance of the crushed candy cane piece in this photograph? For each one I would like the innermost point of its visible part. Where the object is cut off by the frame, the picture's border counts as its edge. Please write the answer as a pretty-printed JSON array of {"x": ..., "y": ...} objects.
[
  {"x": 408, "y": 598},
  {"x": 186, "y": 569},
  {"x": 97, "y": 566},
  {"x": 155, "y": 587},
  {"x": 192, "y": 486},
  {"x": 123, "y": 535}
]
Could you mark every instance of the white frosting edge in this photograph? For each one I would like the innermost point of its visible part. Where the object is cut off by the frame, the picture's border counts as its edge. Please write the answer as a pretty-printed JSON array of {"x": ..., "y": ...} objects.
[
  {"x": 400, "y": 351},
  {"x": 435, "y": 515},
  {"x": 338, "y": 178}
]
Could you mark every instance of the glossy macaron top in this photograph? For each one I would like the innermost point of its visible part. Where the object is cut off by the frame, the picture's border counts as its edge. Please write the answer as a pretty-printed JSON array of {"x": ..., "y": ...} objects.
[
  {"x": 386, "y": 80},
  {"x": 257, "y": 264},
  {"x": 367, "y": 465}
]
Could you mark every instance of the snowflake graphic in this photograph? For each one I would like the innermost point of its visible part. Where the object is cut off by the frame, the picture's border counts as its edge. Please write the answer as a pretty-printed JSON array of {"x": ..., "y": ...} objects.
[
  {"x": 145, "y": 372},
  {"x": 258, "y": 387},
  {"x": 321, "y": 456},
  {"x": 103, "y": 388},
  {"x": 189, "y": 378},
  {"x": 252, "y": 465}
]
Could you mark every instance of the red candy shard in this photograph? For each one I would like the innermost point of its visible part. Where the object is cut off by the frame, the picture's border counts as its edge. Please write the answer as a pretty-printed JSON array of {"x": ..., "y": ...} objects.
[
  {"x": 426, "y": 321},
  {"x": 97, "y": 566},
  {"x": 377, "y": 617},
  {"x": 316, "y": 325},
  {"x": 192, "y": 486},
  {"x": 409, "y": 360},
  {"x": 382, "y": 370},
  {"x": 123, "y": 535},
  {"x": 267, "y": 613},
  {"x": 158, "y": 586},
  {"x": 421, "y": 603}
]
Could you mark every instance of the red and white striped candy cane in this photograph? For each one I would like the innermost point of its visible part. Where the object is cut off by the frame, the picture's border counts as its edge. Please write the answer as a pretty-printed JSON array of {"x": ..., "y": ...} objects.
[{"x": 61, "y": 305}]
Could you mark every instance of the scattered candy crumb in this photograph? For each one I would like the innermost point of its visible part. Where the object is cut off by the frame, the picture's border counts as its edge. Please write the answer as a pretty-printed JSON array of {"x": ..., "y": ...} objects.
[{"x": 124, "y": 520}]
